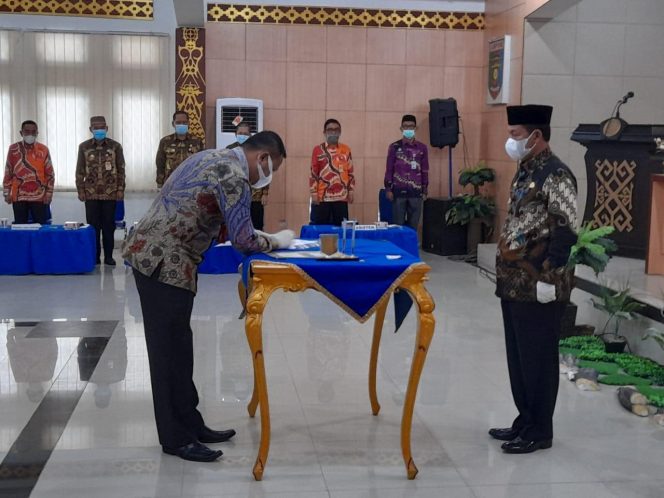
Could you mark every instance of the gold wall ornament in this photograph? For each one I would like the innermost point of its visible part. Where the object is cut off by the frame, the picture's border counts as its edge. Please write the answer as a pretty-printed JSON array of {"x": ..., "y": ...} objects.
[
  {"x": 333, "y": 16},
  {"x": 115, "y": 9},
  {"x": 190, "y": 79},
  {"x": 614, "y": 192}
]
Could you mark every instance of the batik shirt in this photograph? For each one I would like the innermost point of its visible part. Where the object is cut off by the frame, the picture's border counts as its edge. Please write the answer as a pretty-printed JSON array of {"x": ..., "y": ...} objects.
[
  {"x": 207, "y": 189},
  {"x": 407, "y": 169},
  {"x": 100, "y": 170},
  {"x": 332, "y": 177},
  {"x": 29, "y": 174},
  {"x": 538, "y": 233},
  {"x": 172, "y": 151}
]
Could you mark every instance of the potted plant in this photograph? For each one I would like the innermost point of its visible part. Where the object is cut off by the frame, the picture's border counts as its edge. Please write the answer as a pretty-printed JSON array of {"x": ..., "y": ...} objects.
[
  {"x": 475, "y": 210},
  {"x": 619, "y": 305},
  {"x": 593, "y": 249}
]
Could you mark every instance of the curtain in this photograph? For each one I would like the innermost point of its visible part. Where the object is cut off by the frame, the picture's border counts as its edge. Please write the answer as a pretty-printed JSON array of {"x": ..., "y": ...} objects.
[{"x": 60, "y": 80}]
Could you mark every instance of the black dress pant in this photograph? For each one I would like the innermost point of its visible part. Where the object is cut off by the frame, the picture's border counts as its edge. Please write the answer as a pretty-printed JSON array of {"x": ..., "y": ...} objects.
[
  {"x": 257, "y": 214},
  {"x": 23, "y": 210},
  {"x": 166, "y": 320},
  {"x": 329, "y": 213},
  {"x": 531, "y": 341},
  {"x": 101, "y": 216}
]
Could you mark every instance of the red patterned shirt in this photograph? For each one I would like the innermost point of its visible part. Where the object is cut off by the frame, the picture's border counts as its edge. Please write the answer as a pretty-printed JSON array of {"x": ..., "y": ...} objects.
[
  {"x": 29, "y": 175},
  {"x": 332, "y": 177}
]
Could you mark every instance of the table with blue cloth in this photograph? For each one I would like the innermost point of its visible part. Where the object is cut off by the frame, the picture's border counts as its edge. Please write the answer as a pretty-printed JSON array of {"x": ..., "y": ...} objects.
[
  {"x": 403, "y": 237},
  {"x": 381, "y": 270},
  {"x": 51, "y": 250}
]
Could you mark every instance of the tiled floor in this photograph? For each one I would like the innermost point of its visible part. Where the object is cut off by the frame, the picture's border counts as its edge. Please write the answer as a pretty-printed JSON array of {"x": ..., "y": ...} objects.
[{"x": 325, "y": 442}]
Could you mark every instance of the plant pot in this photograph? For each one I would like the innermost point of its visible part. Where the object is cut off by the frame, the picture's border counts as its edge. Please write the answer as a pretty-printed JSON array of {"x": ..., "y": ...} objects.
[
  {"x": 617, "y": 346},
  {"x": 474, "y": 235}
]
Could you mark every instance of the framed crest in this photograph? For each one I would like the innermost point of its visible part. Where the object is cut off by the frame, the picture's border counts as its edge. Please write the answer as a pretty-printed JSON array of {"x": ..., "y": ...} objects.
[{"x": 498, "y": 84}]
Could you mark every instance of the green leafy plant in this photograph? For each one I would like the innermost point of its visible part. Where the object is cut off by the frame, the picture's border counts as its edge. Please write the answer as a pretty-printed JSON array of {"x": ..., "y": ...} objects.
[
  {"x": 641, "y": 367},
  {"x": 476, "y": 176},
  {"x": 655, "y": 395},
  {"x": 623, "y": 380},
  {"x": 619, "y": 305},
  {"x": 603, "y": 367},
  {"x": 469, "y": 207},
  {"x": 592, "y": 248},
  {"x": 655, "y": 334}
]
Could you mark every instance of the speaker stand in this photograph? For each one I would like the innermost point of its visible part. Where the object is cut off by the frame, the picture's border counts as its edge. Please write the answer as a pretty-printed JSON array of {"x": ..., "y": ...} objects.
[{"x": 449, "y": 170}]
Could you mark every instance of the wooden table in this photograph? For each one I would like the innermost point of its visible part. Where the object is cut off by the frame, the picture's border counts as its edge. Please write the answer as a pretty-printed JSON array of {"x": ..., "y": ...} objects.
[{"x": 266, "y": 277}]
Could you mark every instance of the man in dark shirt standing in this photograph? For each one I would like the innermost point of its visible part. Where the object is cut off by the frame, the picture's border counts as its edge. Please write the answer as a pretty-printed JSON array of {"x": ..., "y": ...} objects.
[
  {"x": 175, "y": 148},
  {"x": 100, "y": 182},
  {"x": 407, "y": 175},
  {"x": 532, "y": 278}
]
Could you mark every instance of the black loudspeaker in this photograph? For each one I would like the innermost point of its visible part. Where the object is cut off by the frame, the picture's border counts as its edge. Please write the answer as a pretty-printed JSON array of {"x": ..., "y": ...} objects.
[
  {"x": 443, "y": 123},
  {"x": 437, "y": 236}
]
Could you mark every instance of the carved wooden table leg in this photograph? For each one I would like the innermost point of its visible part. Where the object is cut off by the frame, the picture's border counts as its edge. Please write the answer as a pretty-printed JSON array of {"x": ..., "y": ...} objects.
[
  {"x": 253, "y": 326},
  {"x": 425, "y": 328},
  {"x": 373, "y": 362}
]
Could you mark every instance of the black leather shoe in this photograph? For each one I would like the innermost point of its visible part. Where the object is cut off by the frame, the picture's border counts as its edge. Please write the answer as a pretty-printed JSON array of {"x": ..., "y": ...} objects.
[
  {"x": 195, "y": 452},
  {"x": 505, "y": 434},
  {"x": 207, "y": 435},
  {"x": 519, "y": 445},
  {"x": 109, "y": 261}
]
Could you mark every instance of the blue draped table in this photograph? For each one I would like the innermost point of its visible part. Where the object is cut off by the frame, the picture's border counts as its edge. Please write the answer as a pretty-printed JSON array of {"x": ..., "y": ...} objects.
[
  {"x": 362, "y": 288},
  {"x": 220, "y": 259},
  {"x": 51, "y": 250},
  {"x": 225, "y": 259},
  {"x": 403, "y": 237}
]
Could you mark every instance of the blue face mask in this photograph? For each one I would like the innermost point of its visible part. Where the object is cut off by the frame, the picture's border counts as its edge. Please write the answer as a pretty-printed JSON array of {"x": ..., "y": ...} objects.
[
  {"x": 181, "y": 129},
  {"x": 99, "y": 134},
  {"x": 241, "y": 139},
  {"x": 409, "y": 134}
]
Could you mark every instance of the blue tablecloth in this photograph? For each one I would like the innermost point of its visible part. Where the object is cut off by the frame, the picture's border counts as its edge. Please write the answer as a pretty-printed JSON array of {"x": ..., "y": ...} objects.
[
  {"x": 220, "y": 259},
  {"x": 403, "y": 237},
  {"x": 49, "y": 250},
  {"x": 357, "y": 286}
]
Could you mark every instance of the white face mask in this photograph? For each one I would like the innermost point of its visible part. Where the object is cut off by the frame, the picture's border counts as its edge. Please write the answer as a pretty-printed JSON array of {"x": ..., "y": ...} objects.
[
  {"x": 29, "y": 139},
  {"x": 517, "y": 149},
  {"x": 263, "y": 181}
]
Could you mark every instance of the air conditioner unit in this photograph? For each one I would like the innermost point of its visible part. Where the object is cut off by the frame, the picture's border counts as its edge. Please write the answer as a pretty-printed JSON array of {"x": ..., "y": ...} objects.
[{"x": 228, "y": 109}]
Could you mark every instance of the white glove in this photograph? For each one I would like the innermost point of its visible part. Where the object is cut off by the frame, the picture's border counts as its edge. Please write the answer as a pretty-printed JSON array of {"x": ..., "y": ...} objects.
[
  {"x": 545, "y": 292},
  {"x": 279, "y": 240}
]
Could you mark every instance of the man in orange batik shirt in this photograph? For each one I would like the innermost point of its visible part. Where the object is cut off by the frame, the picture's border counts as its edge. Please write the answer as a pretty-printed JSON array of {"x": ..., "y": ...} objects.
[
  {"x": 29, "y": 177},
  {"x": 332, "y": 182}
]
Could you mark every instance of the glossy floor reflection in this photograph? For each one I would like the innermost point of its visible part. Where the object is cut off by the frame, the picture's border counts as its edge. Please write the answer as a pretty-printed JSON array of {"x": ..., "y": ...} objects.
[{"x": 325, "y": 442}]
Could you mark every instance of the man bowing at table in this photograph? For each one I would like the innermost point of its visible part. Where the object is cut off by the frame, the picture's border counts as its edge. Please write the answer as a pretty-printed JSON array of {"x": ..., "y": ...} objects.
[{"x": 164, "y": 250}]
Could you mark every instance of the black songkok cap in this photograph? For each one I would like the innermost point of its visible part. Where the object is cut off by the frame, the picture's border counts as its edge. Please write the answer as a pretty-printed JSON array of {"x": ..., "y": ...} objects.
[
  {"x": 409, "y": 117},
  {"x": 529, "y": 115}
]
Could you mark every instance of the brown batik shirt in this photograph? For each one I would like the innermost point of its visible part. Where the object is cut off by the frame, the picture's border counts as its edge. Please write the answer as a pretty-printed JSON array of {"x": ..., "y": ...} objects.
[
  {"x": 172, "y": 151},
  {"x": 100, "y": 170},
  {"x": 538, "y": 233}
]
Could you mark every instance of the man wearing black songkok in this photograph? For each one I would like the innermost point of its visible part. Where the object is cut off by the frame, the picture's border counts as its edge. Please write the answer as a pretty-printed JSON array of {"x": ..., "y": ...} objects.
[{"x": 533, "y": 282}]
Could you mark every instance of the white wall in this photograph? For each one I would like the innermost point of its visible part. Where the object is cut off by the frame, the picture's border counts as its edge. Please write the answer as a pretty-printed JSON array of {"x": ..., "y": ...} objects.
[{"x": 585, "y": 59}]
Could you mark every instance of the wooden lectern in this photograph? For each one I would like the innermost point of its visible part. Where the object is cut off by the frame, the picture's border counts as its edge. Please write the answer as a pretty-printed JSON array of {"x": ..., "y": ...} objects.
[
  {"x": 655, "y": 259},
  {"x": 618, "y": 172}
]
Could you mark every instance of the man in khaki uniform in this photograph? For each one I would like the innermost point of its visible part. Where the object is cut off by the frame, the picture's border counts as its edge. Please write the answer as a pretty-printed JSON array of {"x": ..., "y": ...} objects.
[
  {"x": 258, "y": 195},
  {"x": 175, "y": 148},
  {"x": 100, "y": 182}
]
